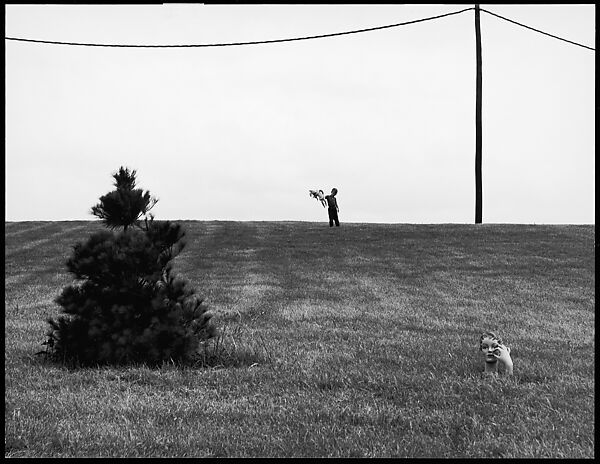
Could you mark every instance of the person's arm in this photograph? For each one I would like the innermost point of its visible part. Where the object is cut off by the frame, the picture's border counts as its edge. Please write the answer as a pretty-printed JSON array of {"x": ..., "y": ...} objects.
[{"x": 336, "y": 206}]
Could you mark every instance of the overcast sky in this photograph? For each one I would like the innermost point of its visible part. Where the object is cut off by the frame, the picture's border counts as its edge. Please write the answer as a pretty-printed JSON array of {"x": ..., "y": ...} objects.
[{"x": 243, "y": 132}]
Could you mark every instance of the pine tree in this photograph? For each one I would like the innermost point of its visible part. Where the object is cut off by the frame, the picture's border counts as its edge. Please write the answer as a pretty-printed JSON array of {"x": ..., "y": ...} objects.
[
  {"x": 124, "y": 206},
  {"x": 126, "y": 305}
]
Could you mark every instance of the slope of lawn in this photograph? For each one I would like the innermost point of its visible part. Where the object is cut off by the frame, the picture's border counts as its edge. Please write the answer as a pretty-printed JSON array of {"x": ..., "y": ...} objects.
[{"x": 357, "y": 341}]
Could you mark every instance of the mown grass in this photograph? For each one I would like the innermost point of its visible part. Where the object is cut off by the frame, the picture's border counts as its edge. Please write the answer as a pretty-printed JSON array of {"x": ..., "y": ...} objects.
[{"x": 358, "y": 341}]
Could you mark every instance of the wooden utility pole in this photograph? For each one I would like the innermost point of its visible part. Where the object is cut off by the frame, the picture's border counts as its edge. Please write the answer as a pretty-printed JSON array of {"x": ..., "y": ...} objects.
[{"x": 478, "y": 189}]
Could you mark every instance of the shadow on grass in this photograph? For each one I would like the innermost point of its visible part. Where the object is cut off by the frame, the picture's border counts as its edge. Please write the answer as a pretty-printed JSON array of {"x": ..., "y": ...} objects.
[{"x": 231, "y": 347}]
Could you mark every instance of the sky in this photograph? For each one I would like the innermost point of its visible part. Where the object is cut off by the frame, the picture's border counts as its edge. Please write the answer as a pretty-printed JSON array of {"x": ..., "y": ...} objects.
[{"x": 242, "y": 133}]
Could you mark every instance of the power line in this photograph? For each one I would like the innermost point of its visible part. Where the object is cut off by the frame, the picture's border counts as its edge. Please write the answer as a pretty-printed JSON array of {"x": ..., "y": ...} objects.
[
  {"x": 240, "y": 43},
  {"x": 295, "y": 38},
  {"x": 536, "y": 30}
]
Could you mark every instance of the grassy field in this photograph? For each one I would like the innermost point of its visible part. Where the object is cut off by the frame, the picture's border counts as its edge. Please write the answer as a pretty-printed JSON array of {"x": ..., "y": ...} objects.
[{"x": 358, "y": 341}]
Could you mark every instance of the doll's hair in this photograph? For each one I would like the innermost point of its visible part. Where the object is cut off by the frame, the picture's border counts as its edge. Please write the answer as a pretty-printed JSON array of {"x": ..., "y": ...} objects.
[{"x": 491, "y": 335}]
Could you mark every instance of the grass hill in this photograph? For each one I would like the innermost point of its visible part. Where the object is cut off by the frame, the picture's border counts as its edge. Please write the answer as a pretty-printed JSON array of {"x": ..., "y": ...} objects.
[{"x": 357, "y": 341}]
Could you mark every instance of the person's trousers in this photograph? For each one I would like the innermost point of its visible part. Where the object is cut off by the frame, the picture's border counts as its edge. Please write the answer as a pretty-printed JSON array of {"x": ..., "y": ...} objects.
[{"x": 333, "y": 217}]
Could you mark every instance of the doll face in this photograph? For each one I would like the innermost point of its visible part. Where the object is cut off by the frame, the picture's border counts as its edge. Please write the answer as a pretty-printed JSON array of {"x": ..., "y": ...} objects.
[{"x": 488, "y": 345}]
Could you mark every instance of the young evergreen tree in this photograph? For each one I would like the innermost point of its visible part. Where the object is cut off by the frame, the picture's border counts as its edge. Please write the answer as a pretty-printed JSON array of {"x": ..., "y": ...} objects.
[
  {"x": 124, "y": 206},
  {"x": 126, "y": 305}
]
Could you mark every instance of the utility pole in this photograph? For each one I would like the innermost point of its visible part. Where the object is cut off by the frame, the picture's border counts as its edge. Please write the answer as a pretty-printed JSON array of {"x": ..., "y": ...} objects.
[{"x": 478, "y": 189}]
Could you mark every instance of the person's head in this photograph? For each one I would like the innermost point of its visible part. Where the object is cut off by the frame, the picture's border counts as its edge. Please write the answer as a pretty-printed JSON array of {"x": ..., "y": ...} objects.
[
  {"x": 320, "y": 191},
  {"x": 488, "y": 345},
  {"x": 334, "y": 191}
]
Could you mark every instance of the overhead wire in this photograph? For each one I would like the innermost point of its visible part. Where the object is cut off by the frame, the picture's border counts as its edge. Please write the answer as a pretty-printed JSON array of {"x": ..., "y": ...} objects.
[
  {"x": 244, "y": 43},
  {"x": 321, "y": 36},
  {"x": 536, "y": 30}
]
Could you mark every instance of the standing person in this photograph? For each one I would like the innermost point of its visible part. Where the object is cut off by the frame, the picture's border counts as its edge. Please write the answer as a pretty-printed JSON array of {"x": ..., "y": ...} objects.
[{"x": 332, "y": 208}]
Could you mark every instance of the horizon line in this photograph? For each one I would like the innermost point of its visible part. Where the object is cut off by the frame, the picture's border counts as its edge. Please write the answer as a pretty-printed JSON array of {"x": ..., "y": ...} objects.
[{"x": 325, "y": 222}]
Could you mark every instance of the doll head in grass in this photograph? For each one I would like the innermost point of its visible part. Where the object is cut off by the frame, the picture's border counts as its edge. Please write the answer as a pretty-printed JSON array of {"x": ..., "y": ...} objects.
[{"x": 495, "y": 352}]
